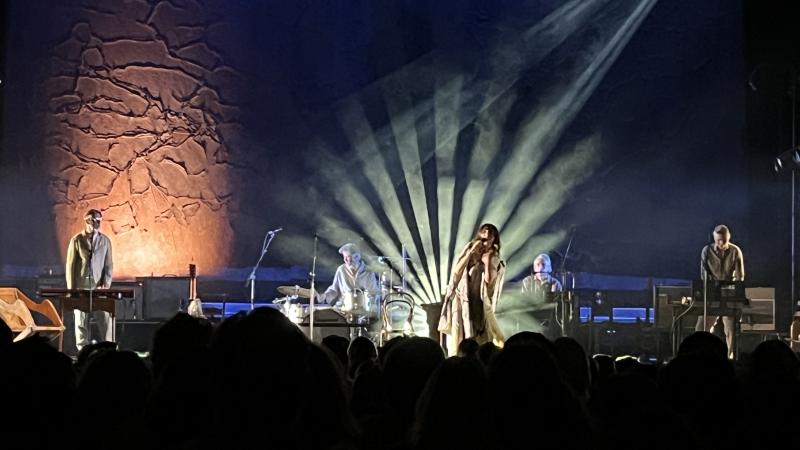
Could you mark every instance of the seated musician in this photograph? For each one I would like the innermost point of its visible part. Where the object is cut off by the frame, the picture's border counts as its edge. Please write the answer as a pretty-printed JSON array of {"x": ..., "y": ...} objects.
[
  {"x": 541, "y": 280},
  {"x": 540, "y": 287},
  {"x": 352, "y": 279},
  {"x": 89, "y": 266}
]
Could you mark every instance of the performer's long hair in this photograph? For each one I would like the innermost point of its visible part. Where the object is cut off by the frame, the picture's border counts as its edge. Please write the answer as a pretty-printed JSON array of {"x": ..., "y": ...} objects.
[
  {"x": 470, "y": 257},
  {"x": 493, "y": 232}
]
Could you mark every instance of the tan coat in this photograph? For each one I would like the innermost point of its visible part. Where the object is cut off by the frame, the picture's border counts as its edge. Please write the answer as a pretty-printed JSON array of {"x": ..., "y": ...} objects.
[
  {"x": 455, "y": 319},
  {"x": 89, "y": 262}
]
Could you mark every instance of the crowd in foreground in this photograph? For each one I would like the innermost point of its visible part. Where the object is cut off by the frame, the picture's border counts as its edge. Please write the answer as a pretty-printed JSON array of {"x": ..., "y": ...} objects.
[{"x": 256, "y": 381}]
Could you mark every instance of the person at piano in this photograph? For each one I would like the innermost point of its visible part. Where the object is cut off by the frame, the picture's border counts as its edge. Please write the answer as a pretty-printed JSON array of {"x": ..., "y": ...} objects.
[
  {"x": 352, "y": 280},
  {"x": 89, "y": 266},
  {"x": 721, "y": 261},
  {"x": 541, "y": 279},
  {"x": 540, "y": 287},
  {"x": 473, "y": 293}
]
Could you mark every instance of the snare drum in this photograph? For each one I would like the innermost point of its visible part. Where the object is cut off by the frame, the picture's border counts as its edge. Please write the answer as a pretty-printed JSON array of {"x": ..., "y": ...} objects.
[
  {"x": 356, "y": 302},
  {"x": 297, "y": 312}
]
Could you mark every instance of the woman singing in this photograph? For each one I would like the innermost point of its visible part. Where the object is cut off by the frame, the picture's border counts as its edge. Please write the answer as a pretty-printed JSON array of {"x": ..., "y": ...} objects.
[{"x": 474, "y": 289}]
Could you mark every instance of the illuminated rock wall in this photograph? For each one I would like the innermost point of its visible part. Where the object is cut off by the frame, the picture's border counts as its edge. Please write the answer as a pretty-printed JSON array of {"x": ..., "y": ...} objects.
[{"x": 142, "y": 114}]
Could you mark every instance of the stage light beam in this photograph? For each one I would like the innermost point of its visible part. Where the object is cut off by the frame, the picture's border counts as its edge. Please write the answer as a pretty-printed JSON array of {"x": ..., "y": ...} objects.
[{"x": 459, "y": 100}]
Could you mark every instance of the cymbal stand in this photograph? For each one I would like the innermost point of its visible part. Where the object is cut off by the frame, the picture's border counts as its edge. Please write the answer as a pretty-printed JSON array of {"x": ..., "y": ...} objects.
[
  {"x": 404, "y": 255},
  {"x": 313, "y": 295},
  {"x": 386, "y": 287}
]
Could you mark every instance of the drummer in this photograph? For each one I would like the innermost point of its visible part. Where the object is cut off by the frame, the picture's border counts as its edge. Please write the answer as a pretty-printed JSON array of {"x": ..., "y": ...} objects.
[{"x": 351, "y": 279}]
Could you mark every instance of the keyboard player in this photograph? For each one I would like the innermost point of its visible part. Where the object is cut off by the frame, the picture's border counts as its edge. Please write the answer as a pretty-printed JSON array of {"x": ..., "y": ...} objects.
[
  {"x": 89, "y": 266},
  {"x": 540, "y": 287},
  {"x": 721, "y": 261}
]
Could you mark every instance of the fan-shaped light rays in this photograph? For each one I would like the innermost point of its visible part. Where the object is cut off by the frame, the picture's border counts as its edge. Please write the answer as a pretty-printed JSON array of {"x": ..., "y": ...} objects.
[{"x": 386, "y": 184}]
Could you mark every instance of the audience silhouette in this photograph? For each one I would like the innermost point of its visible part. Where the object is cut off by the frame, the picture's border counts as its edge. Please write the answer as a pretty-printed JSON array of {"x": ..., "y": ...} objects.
[{"x": 256, "y": 381}]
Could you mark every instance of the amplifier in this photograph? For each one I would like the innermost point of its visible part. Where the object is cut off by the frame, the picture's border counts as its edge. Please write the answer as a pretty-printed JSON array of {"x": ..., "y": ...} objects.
[
  {"x": 136, "y": 335},
  {"x": 664, "y": 297},
  {"x": 162, "y": 297},
  {"x": 759, "y": 315}
]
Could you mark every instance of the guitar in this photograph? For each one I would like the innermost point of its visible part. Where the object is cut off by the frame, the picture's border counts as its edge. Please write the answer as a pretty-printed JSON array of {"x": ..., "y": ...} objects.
[{"x": 195, "y": 308}]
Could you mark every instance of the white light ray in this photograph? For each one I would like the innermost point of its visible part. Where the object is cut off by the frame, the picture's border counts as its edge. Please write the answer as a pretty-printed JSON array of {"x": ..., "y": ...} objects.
[
  {"x": 543, "y": 130},
  {"x": 445, "y": 100},
  {"x": 535, "y": 141},
  {"x": 402, "y": 117}
]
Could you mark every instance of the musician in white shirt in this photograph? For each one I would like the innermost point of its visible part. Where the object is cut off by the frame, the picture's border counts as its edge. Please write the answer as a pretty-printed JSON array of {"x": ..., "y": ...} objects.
[
  {"x": 351, "y": 279},
  {"x": 89, "y": 266},
  {"x": 541, "y": 278},
  {"x": 540, "y": 287}
]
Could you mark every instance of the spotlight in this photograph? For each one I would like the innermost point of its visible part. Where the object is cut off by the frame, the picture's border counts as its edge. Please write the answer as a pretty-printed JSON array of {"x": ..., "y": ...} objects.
[
  {"x": 796, "y": 156},
  {"x": 777, "y": 165}
]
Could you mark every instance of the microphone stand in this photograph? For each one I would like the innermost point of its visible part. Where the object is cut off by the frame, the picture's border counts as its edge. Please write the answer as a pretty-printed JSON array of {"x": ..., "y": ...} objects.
[
  {"x": 313, "y": 292},
  {"x": 251, "y": 279},
  {"x": 90, "y": 281},
  {"x": 90, "y": 315},
  {"x": 706, "y": 273},
  {"x": 564, "y": 286},
  {"x": 387, "y": 260}
]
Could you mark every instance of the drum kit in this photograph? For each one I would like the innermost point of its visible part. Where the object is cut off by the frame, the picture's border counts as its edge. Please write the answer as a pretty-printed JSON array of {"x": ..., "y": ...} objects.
[
  {"x": 356, "y": 306},
  {"x": 358, "y": 314}
]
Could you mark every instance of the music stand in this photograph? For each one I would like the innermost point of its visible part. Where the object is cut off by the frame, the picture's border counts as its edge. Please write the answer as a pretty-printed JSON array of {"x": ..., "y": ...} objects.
[{"x": 720, "y": 295}]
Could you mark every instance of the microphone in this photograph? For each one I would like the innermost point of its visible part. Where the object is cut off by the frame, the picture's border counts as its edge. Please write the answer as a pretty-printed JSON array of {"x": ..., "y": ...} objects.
[
  {"x": 477, "y": 243},
  {"x": 275, "y": 231},
  {"x": 387, "y": 261}
]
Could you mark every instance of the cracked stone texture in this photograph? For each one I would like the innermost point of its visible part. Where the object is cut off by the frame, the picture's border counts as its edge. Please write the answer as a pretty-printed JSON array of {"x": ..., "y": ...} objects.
[{"x": 141, "y": 113}]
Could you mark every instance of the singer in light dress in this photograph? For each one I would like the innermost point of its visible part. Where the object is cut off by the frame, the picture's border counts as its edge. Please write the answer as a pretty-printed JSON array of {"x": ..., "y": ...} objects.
[{"x": 468, "y": 309}]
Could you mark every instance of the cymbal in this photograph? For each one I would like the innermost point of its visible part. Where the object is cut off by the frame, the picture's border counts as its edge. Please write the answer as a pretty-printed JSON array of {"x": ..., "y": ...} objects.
[{"x": 295, "y": 290}]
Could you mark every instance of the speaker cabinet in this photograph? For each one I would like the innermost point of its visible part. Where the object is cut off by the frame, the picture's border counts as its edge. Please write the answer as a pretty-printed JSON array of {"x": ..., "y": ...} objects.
[
  {"x": 663, "y": 299},
  {"x": 136, "y": 335},
  {"x": 759, "y": 315},
  {"x": 162, "y": 297}
]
